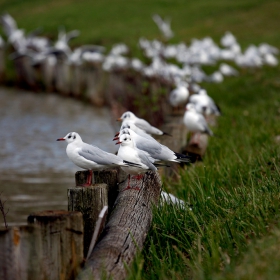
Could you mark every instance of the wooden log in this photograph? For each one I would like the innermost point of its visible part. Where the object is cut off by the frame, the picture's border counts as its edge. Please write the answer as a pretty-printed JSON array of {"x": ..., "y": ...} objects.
[
  {"x": 99, "y": 226},
  {"x": 2, "y": 60},
  {"x": 89, "y": 201},
  {"x": 62, "y": 243},
  {"x": 125, "y": 231},
  {"x": 25, "y": 72},
  {"x": 21, "y": 253},
  {"x": 95, "y": 80},
  {"x": 48, "y": 67},
  {"x": 197, "y": 145},
  {"x": 174, "y": 126},
  {"x": 62, "y": 81}
]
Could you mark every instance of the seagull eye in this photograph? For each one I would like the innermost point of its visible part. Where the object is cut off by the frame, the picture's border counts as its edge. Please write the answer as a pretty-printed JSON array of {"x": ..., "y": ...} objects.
[
  {"x": 74, "y": 137},
  {"x": 69, "y": 136}
]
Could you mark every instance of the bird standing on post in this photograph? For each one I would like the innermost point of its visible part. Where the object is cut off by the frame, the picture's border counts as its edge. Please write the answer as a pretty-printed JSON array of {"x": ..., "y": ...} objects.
[
  {"x": 90, "y": 157},
  {"x": 195, "y": 122},
  {"x": 141, "y": 123}
]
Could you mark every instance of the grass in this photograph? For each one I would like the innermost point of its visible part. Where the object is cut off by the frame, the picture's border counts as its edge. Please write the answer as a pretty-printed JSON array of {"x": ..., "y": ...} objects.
[{"x": 230, "y": 227}]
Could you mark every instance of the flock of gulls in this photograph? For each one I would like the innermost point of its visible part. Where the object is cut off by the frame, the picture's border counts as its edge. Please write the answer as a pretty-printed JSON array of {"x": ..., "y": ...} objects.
[
  {"x": 184, "y": 75},
  {"x": 138, "y": 150}
]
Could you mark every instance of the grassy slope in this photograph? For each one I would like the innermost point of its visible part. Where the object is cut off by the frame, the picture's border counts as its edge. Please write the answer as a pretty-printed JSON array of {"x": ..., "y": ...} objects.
[{"x": 232, "y": 230}]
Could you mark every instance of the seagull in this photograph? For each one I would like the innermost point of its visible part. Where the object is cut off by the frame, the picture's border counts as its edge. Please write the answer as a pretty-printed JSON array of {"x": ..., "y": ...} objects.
[
  {"x": 90, "y": 157},
  {"x": 141, "y": 123},
  {"x": 129, "y": 152},
  {"x": 154, "y": 149},
  {"x": 227, "y": 70},
  {"x": 195, "y": 122},
  {"x": 164, "y": 26},
  {"x": 204, "y": 104},
  {"x": 132, "y": 126},
  {"x": 179, "y": 95}
]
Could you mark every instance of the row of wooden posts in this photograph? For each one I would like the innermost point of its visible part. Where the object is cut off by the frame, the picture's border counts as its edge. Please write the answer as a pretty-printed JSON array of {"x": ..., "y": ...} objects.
[
  {"x": 104, "y": 227},
  {"x": 120, "y": 88},
  {"x": 81, "y": 244}
]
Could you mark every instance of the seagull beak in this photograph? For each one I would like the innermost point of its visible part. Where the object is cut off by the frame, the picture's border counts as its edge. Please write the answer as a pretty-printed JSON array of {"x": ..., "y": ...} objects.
[
  {"x": 60, "y": 139},
  {"x": 119, "y": 142},
  {"x": 117, "y": 134},
  {"x": 119, "y": 120},
  {"x": 116, "y": 138}
]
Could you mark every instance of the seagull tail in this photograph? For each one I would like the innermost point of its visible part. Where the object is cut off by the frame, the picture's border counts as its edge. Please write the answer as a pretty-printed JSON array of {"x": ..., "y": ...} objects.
[
  {"x": 160, "y": 165},
  {"x": 185, "y": 158},
  {"x": 165, "y": 133},
  {"x": 128, "y": 163}
]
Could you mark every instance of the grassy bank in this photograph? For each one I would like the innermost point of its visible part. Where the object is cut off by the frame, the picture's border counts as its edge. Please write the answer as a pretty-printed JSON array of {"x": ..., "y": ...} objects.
[{"x": 230, "y": 227}]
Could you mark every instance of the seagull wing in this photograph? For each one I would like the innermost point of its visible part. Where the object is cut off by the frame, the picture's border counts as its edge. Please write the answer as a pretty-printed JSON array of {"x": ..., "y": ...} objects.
[
  {"x": 146, "y": 160},
  {"x": 99, "y": 156}
]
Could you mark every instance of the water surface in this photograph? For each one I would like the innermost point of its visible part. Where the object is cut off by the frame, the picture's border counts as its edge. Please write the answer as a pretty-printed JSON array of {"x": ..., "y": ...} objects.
[{"x": 35, "y": 171}]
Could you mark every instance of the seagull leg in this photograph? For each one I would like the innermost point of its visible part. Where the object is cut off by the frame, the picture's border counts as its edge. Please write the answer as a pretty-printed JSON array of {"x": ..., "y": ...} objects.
[
  {"x": 138, "y": 177},
  {"x": 129, "y": 187},
  {"x": 89, "y": 179}
]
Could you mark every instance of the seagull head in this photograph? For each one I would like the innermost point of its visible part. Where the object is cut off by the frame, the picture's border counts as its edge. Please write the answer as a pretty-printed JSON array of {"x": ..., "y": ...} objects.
[
  {"x": 71, "y": 137},
  {"x": 127, "y": 116},
  {"x": 122, "y": 132},
  {"x": 202, "y": 91},
  {"x": 190, "y": 107},
  {"x": 125, "y": 140}
]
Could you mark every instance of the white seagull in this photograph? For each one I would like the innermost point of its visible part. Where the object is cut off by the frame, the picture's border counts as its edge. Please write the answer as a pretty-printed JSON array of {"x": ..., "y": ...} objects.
[
  {"x": 90, "y": 157},
  {"x": 204, "y": 104},
  {"x": 154, "y": 149},
  {"x": 132, "y": 126},
  {"x": 195, "y": 122},
  {"x": 141, "y": 123},
  {"x": 179, "y": 95},
  {"x": 128, "y": 151},
  {"x": 164, "y": 26}
]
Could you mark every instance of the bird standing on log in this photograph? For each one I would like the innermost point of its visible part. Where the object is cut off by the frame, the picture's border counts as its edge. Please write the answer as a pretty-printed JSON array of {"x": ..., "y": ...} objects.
[
  {"x": 90, "y": 157},
  {"x": 154, "y": 149},
  {"x": 129, "y": 152},
  {"x": 141, "y": 123},
  {"x": 195, "y": 122}
]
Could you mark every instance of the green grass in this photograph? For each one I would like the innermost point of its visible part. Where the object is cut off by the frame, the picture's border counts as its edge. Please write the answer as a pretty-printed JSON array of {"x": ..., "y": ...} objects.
[{"x": 232, "y": 229}]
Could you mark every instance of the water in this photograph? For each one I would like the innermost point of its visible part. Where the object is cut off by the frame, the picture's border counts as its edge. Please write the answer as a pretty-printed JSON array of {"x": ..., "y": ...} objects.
[{"x": 35, "y": 171}]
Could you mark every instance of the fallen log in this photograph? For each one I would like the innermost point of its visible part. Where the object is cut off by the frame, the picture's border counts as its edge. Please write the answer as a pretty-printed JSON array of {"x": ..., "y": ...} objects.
[{"x": 126, "y": 229}]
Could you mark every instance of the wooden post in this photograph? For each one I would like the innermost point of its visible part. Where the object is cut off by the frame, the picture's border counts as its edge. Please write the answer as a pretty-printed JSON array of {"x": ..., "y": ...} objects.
[
  {"x": 21, "y": 253},
  {"x": 95, "y": 79},
  {"x": 174, "y": 126},
  {"x": 62, "y": 243},
  {"x": 125, "y": 231},
  {"x": 89, "y": 201},
  {"x": 2, "y": 59},
  {"x": 198, "y": 148},
  {"x": 62, "y": 76}
]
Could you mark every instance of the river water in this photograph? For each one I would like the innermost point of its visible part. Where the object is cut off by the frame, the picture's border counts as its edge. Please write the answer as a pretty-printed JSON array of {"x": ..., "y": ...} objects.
[{"x": 35, "y": 171}]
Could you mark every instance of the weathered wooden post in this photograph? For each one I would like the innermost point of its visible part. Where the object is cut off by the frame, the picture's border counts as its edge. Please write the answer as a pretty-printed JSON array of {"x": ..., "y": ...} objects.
[
  {"x": 21, "y": 253},
  {"x": 126, "y": 229},
  {"x": 198, "y": 148},
  {"x": 62, "y": 81},
  {"x": 95, "y": 79},
  {"x": 25, "y": 71},
  {"x": 91, "y": 200},
  {"x": 62, "y": 243},
  {"x": 174, "y": 126},
  {"x": 48, "y": 72},
  {"x": 2, "y": 59}
]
